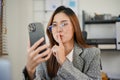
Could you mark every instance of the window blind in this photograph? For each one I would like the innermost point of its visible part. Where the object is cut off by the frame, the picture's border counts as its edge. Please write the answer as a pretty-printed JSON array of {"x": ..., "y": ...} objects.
[
  {"x": 3, "y": 29},
  {"x": 1, "y": 18}
]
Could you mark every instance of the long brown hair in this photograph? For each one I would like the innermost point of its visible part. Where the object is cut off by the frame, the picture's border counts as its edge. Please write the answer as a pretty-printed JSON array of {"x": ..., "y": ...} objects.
[{"x": 52, "y": 64}]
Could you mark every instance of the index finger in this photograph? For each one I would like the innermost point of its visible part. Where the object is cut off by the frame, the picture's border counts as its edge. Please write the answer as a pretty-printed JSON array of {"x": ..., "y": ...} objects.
[{"x": 59, "y": 40}]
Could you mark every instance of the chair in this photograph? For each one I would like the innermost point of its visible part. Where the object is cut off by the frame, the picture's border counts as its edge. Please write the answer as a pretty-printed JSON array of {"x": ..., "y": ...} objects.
[{"x": 84, "y": 34}]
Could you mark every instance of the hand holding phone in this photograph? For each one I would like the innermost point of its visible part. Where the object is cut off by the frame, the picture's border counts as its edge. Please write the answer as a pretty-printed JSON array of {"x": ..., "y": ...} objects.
[{"x": 38, "y": 51}]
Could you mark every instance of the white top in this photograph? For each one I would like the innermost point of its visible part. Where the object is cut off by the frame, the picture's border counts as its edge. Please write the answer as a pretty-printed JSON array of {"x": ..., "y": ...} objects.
[{"x": 70, "y": 56}]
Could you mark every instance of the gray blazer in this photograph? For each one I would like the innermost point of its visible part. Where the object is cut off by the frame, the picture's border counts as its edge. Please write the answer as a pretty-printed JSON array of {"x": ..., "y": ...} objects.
[{"x": 85, "y": 66}]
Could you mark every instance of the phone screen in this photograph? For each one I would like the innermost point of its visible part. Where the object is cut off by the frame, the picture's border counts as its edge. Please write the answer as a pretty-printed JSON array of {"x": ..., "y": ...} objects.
[{"x": 36, "y": 31}]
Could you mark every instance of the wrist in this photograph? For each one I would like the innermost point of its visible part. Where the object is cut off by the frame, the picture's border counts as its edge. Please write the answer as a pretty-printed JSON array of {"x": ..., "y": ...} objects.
[
  {"x": 62, "y": 61},
  {"x": 26, "y": 74},
  {"x": 30, "y": 73}
]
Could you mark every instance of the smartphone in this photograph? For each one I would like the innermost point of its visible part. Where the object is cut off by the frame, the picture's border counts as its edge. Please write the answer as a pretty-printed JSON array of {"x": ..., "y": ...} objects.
[{"x": 36, "y": 31}]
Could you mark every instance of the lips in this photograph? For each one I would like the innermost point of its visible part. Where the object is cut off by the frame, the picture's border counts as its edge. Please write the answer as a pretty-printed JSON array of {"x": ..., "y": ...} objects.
[{"x": 61, "y": 36}]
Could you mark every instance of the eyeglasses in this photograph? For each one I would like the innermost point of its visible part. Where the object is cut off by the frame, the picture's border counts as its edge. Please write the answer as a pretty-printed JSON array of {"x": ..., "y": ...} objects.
[{"x": 54, "y": 26}]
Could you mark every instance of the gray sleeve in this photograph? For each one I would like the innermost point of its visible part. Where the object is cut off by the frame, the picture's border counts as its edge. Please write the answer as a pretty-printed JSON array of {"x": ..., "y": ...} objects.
[
  {"x": 39, "y": 75},
  {"x": 69, "y": 72}
]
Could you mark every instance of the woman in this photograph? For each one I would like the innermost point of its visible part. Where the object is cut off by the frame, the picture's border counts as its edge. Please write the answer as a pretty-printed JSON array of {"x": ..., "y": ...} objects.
[{"x": 69, "y": 57}]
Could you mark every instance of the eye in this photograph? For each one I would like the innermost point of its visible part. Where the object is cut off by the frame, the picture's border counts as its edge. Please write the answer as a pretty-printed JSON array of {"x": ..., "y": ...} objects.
[
  {"x": 64, "y": 24},
  {"x": 54, "y": 25}
]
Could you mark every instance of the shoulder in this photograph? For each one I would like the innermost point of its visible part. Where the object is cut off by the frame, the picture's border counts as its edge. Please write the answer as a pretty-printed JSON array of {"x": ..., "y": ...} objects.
[
  {"x": 94, "y": 50},
  {"x": 91, "y": 52}
]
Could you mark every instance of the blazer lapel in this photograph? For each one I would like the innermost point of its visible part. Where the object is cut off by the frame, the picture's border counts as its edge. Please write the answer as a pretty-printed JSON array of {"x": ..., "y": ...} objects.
[{"x": 78, "y": 61}]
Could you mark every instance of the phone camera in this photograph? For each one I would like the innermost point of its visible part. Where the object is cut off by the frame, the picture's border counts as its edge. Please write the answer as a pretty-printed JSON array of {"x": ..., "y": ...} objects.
[{"x": 32, "y": 28}]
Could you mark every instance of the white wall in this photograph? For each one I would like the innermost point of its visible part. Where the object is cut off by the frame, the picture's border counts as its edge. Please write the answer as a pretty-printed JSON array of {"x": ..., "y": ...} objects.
[
  {"x": 100, "y": 6},
  {"x": 19, "y": 15}
]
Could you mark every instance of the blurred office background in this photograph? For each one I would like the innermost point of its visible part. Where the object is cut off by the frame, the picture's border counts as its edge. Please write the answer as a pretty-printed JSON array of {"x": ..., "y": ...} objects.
[{"x": 19, "y": 13}]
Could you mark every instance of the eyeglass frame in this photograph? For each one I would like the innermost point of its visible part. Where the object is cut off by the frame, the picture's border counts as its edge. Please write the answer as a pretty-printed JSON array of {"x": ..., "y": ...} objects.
[{"x": 62, "y": 25}]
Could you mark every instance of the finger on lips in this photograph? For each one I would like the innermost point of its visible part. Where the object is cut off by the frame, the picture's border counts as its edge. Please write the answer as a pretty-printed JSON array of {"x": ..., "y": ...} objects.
[{"x": 59, "y": 40}]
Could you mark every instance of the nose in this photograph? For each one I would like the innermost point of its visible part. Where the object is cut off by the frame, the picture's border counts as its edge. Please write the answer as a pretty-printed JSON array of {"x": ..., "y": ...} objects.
[{"x": 59, "y": 29}]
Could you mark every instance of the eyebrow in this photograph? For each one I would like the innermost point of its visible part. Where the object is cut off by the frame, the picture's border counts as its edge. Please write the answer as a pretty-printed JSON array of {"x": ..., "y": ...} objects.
[{"x": 60, "y": 21}]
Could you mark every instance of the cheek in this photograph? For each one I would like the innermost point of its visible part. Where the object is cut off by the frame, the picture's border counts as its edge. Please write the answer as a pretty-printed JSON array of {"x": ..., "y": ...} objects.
[
  {"x": 55, "y": 36},
  {"x": 69, "y": 31},
  {"x": 69, "y": 34}
]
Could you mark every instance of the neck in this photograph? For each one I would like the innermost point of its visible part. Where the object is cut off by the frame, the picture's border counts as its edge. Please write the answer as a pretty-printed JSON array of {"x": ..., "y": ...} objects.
[{"x": 68, "y": 47}]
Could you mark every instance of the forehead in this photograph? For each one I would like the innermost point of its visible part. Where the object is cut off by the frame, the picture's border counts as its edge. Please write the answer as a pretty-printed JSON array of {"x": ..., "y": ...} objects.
[{"x": 60, "y": 17}]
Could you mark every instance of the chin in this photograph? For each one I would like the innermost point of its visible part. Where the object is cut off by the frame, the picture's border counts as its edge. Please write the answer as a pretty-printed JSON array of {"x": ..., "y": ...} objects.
[{"x": 64, "y": 41}]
